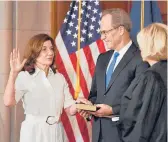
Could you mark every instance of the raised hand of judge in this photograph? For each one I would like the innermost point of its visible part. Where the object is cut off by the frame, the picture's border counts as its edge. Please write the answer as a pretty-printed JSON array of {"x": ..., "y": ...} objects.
[{"x": 15, "y": 62}]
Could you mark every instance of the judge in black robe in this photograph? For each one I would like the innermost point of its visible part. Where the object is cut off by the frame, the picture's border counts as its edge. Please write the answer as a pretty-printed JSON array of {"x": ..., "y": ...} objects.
[{"x": 143, "y": 113}]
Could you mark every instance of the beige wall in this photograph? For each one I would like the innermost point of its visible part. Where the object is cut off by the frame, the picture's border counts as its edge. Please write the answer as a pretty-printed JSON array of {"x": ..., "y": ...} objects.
[{"x": 19, "y": 21}]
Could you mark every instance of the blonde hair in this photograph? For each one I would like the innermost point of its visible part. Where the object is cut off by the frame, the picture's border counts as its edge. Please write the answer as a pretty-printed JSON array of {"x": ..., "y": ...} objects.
[
  {"x": 119, "y": 18},
  {"x": 152, "y": 41}
]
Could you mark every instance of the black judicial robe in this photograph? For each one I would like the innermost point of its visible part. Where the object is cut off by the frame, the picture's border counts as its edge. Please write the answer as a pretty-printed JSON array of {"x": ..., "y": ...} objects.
[{"x": 143, "y": 113}]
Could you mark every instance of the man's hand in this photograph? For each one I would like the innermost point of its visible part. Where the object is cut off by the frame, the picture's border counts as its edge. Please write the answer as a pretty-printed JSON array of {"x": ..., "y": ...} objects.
[{"x": 103, "y": 111}]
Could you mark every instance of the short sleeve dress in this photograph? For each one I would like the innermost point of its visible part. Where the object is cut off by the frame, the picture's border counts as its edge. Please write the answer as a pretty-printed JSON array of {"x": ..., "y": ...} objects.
[{"x": 44, "y": 99}]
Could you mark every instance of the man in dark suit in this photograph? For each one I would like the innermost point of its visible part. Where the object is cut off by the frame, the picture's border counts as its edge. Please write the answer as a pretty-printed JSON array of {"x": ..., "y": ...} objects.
[{"x": 114, "y": 72}]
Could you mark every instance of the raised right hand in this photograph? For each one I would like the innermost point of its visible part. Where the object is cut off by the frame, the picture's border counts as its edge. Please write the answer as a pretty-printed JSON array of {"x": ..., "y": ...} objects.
[{"x": 15, "y": 63}]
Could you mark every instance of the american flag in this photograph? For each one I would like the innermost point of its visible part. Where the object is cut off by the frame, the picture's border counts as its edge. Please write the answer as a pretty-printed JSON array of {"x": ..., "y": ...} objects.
[{"x": 76, "y": 127}]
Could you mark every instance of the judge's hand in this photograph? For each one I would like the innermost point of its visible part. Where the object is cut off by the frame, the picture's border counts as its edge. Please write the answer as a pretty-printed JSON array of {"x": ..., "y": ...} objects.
[
  {"x": 103, "y": 111},
  {"x": 15, "y": 63}
]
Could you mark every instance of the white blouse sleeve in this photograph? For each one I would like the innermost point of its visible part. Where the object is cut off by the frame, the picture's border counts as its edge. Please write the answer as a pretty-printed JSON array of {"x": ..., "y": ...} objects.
[
  {"x": 20, "y": 86},
  {"x": 68, "y": 97}
]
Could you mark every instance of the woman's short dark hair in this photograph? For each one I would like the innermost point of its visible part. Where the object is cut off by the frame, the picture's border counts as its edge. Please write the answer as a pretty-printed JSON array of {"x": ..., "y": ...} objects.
[{"x": 33, "y": 50}]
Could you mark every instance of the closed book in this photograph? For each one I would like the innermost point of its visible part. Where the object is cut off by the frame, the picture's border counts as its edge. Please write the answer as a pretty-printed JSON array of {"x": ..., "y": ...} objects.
[{"x": 86, "y": 107}]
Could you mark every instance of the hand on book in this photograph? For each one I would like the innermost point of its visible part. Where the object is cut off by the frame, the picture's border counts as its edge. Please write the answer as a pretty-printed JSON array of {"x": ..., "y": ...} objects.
[
  {"x": 83, "y": 105},
  {"x": 82, "y": 100}
]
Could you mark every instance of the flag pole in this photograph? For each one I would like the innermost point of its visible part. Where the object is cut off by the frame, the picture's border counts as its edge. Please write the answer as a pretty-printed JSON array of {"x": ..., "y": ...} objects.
[
  {"x": 142, "y": 14},
  {"x": 53, "y": 19},
  {"x": 77, "y": 88}
]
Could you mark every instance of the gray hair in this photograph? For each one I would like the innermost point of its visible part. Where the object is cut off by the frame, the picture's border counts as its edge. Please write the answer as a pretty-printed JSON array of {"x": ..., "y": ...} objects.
[{"x": 119, "y": 17}]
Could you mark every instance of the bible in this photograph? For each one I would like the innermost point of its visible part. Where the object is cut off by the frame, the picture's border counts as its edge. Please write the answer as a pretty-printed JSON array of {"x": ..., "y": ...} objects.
[{"x": 86, "y": 107}]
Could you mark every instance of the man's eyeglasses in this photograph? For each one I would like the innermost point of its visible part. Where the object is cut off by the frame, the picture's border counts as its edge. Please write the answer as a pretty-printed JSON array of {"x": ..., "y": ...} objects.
[{"x": 105, "y": 32}]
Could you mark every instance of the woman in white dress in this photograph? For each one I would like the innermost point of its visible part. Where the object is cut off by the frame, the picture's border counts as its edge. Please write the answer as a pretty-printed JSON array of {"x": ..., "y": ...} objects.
[{"x": 44, "y": 91}]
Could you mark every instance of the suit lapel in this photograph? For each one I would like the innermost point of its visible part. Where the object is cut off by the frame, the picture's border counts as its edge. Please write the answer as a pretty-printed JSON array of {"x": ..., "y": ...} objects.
[{"x": 124, "y": 61}]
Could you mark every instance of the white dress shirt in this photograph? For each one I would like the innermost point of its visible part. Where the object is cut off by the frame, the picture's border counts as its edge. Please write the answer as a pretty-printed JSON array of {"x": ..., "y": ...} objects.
[
  {"x": 121, "y": 54},
  {"x": 41, "y": 95}
]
